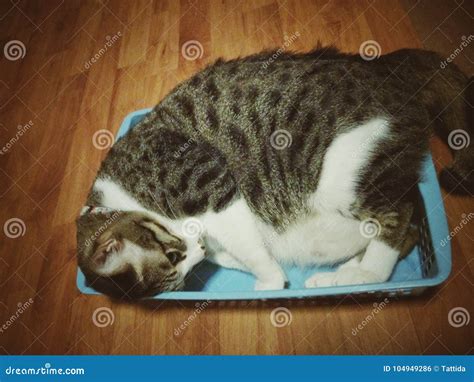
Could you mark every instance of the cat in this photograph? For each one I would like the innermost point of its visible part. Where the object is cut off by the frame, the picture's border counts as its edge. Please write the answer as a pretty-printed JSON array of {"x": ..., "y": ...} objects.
[{"x": 252, "y": 165}]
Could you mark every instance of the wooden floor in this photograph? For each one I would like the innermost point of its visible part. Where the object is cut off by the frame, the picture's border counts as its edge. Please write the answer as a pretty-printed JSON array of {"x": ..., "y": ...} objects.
[{"x": 54, "y": 97}]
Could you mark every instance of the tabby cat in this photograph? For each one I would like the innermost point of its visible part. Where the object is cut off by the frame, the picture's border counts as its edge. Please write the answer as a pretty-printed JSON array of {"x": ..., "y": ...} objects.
[{"x": 274, "y": 163}]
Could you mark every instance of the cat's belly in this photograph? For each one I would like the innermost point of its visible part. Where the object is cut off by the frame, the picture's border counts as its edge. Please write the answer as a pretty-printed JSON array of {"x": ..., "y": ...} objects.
[
  {"x": 326, "y": 236},
  {"x": 320, "y": 239}
]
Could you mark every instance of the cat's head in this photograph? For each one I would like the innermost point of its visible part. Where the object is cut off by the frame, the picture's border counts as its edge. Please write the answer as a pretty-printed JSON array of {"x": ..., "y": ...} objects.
[{"x": 132, "y": 255}]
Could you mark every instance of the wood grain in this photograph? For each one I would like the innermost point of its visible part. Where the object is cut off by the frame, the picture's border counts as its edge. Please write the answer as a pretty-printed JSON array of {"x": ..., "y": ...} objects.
[{"x": 46, "y": 173}]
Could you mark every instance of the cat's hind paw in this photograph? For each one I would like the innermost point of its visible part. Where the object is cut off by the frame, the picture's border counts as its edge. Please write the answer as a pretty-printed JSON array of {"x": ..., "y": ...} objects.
[{"x": 343, "y": 276}]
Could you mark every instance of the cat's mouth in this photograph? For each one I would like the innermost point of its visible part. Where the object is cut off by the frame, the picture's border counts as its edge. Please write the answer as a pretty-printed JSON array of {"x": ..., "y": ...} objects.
[
  {"x": 160, "y": 288},
  {"x": 179, "y": 285}
]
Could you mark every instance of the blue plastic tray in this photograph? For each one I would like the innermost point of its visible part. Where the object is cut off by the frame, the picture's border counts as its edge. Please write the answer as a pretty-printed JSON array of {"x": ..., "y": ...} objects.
[{"x": 427, "y": 265}]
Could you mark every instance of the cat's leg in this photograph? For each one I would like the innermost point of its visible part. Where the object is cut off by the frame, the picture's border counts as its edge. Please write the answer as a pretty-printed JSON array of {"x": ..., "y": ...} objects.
[
  {"x": 376, "y": 266},
  {"x": 412, "y": 237},
  {"x": 194, "y": 256},
  {"x": 237, "y": 232},
  {"x": 380, "y": 257}
]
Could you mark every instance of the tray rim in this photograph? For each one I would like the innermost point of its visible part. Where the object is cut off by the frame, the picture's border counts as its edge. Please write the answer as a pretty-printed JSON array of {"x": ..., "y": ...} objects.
[{"x": 431, "y": 196}]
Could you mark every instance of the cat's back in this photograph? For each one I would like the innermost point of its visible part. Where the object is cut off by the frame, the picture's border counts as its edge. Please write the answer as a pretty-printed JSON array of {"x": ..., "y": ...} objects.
[{"x": 271, "y": 120}]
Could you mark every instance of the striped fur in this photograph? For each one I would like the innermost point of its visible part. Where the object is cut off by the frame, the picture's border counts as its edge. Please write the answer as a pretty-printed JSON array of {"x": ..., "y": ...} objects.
[{"x": 209, "y": 143}]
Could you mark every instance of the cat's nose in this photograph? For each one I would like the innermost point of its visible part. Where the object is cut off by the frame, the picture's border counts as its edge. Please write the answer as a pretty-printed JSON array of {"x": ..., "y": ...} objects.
[{"x": 166, "y": 267}]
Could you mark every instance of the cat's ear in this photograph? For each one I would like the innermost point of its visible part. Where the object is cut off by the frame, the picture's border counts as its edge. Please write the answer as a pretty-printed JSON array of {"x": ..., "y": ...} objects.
[
  {"x": 161, "y": 233},
  {"x": 108, "y": 258}
]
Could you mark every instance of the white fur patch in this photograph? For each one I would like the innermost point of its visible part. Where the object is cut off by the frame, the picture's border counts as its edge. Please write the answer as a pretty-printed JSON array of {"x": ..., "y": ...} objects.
[
  {"x": 115, "y": 197},
  {"x": 129, "y": 254},
  {"x": 379, "y": 259},
  {"x": 235, "y": 228},
  {"x": 344, "y": 159},
  {"x": 325, "y": 236}
]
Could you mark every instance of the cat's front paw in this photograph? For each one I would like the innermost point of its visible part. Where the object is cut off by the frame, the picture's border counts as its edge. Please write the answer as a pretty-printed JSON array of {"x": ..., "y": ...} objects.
[
  {"x": 192, "y": 258},
  {"x": 344, "y": 276},
  {"x": 275, "y": 284}
]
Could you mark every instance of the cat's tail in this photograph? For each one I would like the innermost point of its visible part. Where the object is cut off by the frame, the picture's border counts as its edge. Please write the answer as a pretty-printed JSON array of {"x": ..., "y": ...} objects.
[
  {"x": 449, "y": 95},
  {"x": 459, "y": 177}
]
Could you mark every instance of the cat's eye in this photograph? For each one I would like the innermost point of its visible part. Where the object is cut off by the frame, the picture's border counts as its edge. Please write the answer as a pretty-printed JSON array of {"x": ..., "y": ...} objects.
[{"x": 174, "y": 256}]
